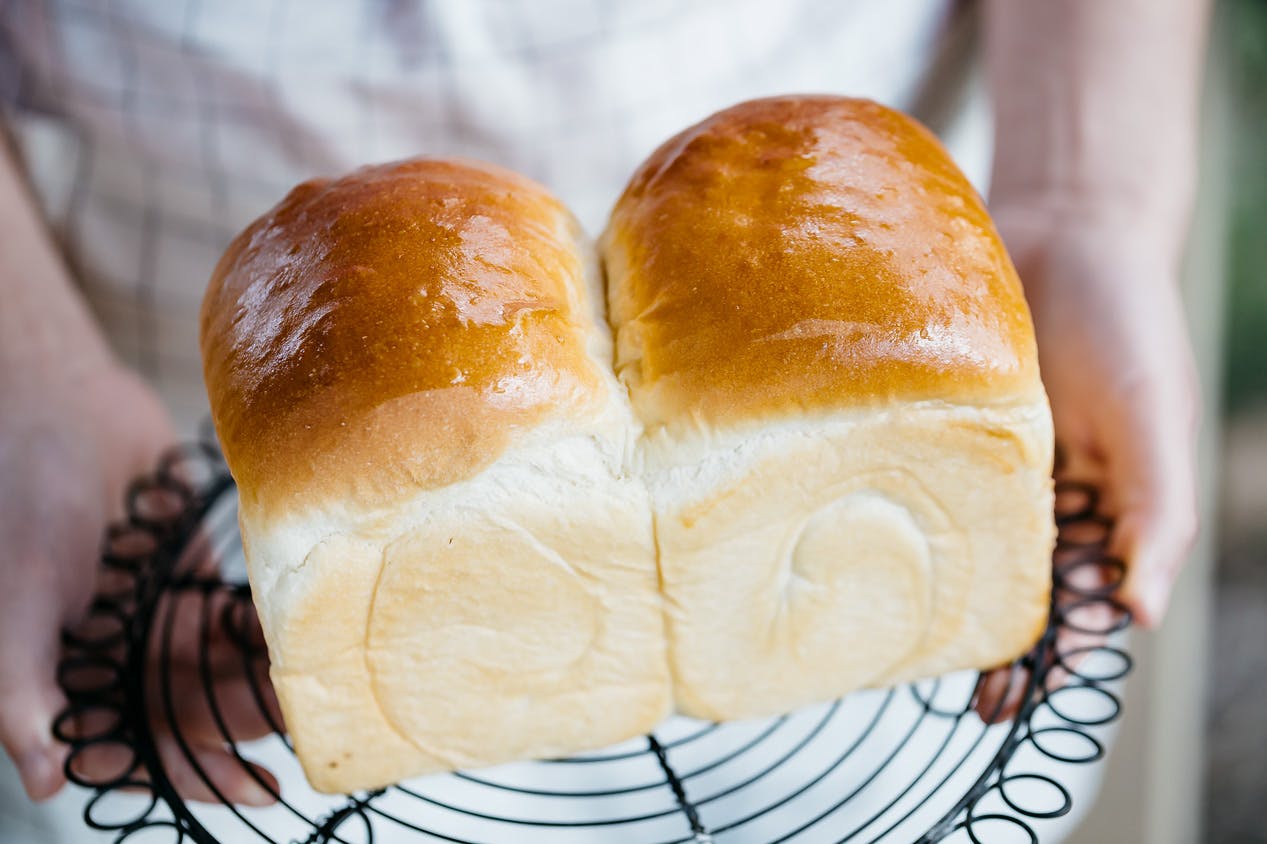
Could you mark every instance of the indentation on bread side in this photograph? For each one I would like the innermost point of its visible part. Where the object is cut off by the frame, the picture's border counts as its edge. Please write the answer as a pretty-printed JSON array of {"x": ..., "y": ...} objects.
[
  {"x": 818, "y": 597},
  {"x": 317, "y": 621},
  {"x": 434, "y": 753},
  {"x": 865, "y": 552},
  {"x": 476, "y": 619},
  {"x": 967, "y": 475},
  {"x": 997, "y": 481}
]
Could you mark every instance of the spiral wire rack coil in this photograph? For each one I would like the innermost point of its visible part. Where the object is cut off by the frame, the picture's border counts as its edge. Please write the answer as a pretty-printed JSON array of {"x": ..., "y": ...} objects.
[{"x": 911, "y": 763}]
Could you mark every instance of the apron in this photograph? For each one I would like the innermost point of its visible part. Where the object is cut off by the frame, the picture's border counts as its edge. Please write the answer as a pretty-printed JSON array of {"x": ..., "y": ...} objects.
[{"x": 153, "y": 132}]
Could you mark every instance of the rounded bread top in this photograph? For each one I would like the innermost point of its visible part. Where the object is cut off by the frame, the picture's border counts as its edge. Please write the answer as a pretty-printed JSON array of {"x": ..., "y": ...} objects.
[
  {"x": 810, "y": 252},
  {"x": 393, "y": 329}
]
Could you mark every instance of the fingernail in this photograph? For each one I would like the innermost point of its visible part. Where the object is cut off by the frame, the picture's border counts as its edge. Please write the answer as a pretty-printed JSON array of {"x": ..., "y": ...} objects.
[
  {"x": 253, "y": 794},
  {"x": 38, "y": 776},
  {"x": 1156, "y": 597}
]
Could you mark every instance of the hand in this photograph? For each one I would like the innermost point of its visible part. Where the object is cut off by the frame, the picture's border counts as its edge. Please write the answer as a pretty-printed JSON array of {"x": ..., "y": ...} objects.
[
  {"x": 69, "y": 444},
  {"x": 1117, "y": 364}
]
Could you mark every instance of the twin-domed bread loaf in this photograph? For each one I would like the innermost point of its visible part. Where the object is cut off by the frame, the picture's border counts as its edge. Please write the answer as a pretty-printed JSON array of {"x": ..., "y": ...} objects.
[
  {"x": 847, "y": 444},
  {"x": 411, "y": 380},
  {"x": 820, "y": 459}
]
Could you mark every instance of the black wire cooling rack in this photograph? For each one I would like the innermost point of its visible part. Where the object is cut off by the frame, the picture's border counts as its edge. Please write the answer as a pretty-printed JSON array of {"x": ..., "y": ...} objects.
[{"x": 913, "y": 763}]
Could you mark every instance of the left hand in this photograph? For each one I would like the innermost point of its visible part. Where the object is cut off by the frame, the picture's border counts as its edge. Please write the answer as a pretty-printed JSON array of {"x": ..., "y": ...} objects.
[{"x": 1117, "y": 364}]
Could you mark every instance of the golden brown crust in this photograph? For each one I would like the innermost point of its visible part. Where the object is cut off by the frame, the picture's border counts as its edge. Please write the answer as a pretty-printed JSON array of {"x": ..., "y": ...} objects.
[
  {"x": 810, "y": 252},
  {"x": 393, "y": 329}
]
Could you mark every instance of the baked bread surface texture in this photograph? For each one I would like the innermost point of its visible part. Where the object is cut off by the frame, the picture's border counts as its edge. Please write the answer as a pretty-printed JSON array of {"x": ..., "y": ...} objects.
[
  {"x": 810, "y": 252},
  {"x": 453, "y": 564},
  {"x": 427, "y": 295},
  {"x": 847, "y": 443}
]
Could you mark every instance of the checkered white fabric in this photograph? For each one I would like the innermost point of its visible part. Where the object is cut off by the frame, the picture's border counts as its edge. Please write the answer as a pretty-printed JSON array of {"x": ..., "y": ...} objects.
[{"x": 153, "y": 131}]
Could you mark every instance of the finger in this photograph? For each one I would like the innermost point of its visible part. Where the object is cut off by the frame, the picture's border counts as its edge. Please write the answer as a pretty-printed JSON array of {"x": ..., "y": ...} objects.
[
  {"x": 1000, "y": 693},
  {"x": 199, "y": 558},
  {"x": 198, "y": 772},
  {"x": 1154, "y": 481},
  {"x": 195, "y": 747},
  {"x": 212, "y": 681},
  {"x": 1002, "y": 690},
  {"x": 1084, "y": 631},
  {"x": 194, "y": 739},
  {"x": 193, "y": 630},
  {"x": 25, "y": 718},
  {"x": 242, "y": 712},
  {"x": 30, "y": 698}
]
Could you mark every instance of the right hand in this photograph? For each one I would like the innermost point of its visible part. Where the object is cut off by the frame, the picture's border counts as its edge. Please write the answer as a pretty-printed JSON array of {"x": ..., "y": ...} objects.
[
  {"x": 69, "y": 445},
  {"x": 1103, "y": 285}
]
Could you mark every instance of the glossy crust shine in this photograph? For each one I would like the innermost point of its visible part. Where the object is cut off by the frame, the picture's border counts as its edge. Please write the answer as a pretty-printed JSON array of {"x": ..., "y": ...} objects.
[
  {"x": 813, "y": 251},
  {"x": 392, "y": 330}
]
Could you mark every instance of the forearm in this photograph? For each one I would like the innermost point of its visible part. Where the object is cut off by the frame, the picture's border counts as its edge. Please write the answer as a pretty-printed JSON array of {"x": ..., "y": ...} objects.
[
  {"x": 1096, "y": 105},
  {"x": 46, "y": 331}
]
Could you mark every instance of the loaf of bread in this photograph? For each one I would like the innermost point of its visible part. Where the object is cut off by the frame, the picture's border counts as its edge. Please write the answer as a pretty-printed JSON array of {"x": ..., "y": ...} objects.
[
  {"x": 847, "y": 444},
  {"x": 410, "y": 376},
  {"x": 820, "y": 459}
]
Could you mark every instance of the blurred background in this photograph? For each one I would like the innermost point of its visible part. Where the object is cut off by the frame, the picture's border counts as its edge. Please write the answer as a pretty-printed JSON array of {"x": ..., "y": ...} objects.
[
  {"x": 1168, "y": 779},
  {"x": 1190, "y": 760},
  {"x": 1236, "y": 750}
]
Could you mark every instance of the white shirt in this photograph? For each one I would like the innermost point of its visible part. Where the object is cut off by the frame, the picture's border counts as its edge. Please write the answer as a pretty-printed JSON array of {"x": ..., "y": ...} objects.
[{"x": 154, "y": 131}]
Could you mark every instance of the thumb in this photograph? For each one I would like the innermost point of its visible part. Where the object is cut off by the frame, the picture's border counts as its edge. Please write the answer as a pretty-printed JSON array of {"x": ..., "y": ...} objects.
[
  {"x": 1153, "y": 477},
  {"x": 29, "y": 696}
]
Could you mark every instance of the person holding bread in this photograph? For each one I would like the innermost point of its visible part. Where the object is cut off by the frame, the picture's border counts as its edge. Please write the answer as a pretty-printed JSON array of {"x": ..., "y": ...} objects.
[{"x": 394, "y": 447}]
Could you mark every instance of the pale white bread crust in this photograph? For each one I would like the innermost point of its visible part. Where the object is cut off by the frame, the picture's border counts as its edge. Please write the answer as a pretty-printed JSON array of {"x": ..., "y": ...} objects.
[
  {"x": 555, "y": 646},
  {"x": 805, "y": 559}
]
